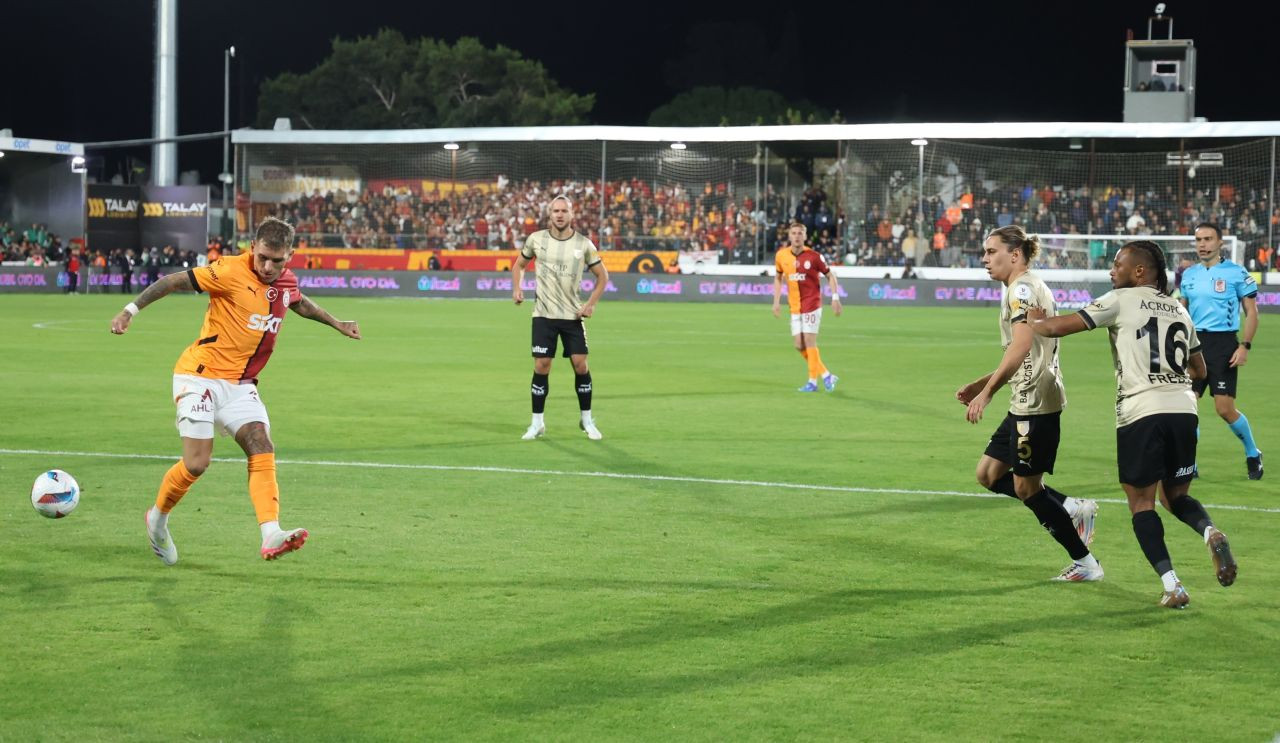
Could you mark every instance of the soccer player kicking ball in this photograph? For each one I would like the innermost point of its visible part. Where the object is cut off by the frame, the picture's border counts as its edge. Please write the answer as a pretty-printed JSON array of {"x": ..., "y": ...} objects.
[
  {"x": 1157, "y": 356},
  {"x": 1025, "y": 445},
  {"x": 215, "y": 382},
  {"x": 803, "y": 268}
]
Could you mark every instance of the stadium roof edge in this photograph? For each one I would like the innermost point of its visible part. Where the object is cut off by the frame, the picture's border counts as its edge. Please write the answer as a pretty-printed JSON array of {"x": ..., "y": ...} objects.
[
  {"x": 812, "y": 132},
  {"x": 44, "y": 146}
]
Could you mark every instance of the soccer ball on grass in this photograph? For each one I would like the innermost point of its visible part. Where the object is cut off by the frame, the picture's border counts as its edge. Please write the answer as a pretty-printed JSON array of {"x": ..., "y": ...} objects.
[{"x": 55, "y": 494}]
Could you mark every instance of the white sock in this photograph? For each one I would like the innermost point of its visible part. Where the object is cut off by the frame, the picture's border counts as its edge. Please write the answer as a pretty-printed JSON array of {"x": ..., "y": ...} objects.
[
  {"x": 1072, "y": 506},
  {"x": 1089, "y": 561},
  {"x": 586, "y": 417},
  {"x": 1207, "y": 531},
  {"x": 162, "y": 519},
  {"x": 812, "y": 380},
  {"x": 1170, "y": 580},
  {"x": 828, "y": 375},
  {"x": 269, "y": 528},
  {"x": 537, "y": 420}
]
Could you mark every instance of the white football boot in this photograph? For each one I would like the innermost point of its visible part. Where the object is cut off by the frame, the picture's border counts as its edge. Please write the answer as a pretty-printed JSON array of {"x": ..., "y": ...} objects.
[
  {"x": 161, "y": 543},
  {"x": 283, "y": 542}
]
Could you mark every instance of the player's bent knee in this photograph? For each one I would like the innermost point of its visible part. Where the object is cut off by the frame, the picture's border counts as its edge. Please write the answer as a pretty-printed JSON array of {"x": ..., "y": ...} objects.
[
  {"x": 254, "y": 439},
  {"x": 196, "y": 465}
]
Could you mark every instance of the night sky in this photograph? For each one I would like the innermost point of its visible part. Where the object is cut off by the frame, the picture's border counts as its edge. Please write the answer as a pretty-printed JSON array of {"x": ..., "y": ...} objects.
[{"x": 83, "y": 71}]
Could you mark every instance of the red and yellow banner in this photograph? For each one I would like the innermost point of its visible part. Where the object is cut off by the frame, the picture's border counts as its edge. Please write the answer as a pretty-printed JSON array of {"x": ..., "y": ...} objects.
[{"x": 369, "y": 259}]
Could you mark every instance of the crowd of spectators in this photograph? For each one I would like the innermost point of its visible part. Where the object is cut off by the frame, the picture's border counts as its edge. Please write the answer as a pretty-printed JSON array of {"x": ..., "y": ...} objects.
[
  {"x": 34, "y": 246},
  {"x": 951, "y": 232},
  {"x": 639, "y": 215}
]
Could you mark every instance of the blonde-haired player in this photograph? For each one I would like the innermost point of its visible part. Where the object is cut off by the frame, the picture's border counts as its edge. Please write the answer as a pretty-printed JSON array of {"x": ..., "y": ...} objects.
[
  {"x": 215, "y": 382},
  {"x": 802, "y": 268}
]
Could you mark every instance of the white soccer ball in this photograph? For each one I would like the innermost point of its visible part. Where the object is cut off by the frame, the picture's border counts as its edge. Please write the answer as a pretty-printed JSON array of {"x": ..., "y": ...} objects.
[{"x": 55, "y": 494}]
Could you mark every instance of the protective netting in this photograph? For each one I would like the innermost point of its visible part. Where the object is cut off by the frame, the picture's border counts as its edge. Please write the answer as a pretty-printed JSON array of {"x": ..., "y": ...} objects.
[
  {"x": 490, "y": 195},
  {"x": 954, "y": 192},
  {"x": 866, "y": 202}
]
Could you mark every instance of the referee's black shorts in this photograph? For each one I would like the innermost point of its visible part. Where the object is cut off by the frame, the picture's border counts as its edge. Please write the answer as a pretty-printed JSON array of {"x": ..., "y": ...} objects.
[{"x": 1217, "y": 348}]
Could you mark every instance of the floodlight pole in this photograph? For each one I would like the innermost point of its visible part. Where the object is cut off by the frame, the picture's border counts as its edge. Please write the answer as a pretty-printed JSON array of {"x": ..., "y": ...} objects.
[
  {"x": 227, "y": 54},
  {"x": 920, "y": 145}
]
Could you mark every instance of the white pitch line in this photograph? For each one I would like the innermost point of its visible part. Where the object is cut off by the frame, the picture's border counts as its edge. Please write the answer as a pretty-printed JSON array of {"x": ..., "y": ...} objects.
[{"x": 606, "y": 475}]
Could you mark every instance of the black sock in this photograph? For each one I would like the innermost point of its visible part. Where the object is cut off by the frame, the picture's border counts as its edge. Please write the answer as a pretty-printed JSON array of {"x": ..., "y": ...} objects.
[
  {"x": 1190, "y": 512},
  {"x": 583, "y": 383},
  {"x": 1055, "y": 495},
  {"x": 539, "y": 391},
  {"x": 1053, "y": 517},
  {"x": 1004, "y": 486},
  {"x": 1149, "y": 530}
]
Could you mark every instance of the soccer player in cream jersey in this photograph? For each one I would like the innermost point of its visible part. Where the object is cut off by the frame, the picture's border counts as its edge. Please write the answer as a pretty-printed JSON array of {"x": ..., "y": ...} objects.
[
  {"x": 1157, "y": 356},
  {"x": 215, "y": 382},
  {"x": 558, "y": 314},
  {"x": 1025, "y": 445}
]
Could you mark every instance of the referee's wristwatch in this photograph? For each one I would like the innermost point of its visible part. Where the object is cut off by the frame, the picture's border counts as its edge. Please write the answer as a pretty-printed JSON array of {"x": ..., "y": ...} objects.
[{"x": 1248, "y": 346}]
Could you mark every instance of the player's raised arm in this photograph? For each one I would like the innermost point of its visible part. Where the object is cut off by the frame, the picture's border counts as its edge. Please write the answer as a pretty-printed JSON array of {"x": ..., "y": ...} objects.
[
  {"x": 1055, "y": 327},
  {"x": 174, "y": 282},
  {"x": 306, "y": 308}
]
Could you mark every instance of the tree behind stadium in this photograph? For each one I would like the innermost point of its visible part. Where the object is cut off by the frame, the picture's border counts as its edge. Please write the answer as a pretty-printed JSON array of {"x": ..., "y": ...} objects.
[{"x": 389, "y": 82}]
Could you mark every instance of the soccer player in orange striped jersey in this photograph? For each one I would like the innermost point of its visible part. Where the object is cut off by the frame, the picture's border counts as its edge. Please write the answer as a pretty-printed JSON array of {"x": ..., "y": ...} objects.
[
  {"x": 215, "y": 382},
  {"x": 802, "y": 268}
]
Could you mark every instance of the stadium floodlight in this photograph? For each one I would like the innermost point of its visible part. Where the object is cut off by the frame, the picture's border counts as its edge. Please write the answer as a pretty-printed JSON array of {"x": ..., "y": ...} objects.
[
  {"x": 1, "y": 153},
  {"x": 225, "y": 177},
  {"x": 451, "y": 145},
  {"x": 1159, "y": 9},
  {"x": 78, "y": 164},
  {"x": 678, "y": 145},
  {"x": 920, "y": 142}
]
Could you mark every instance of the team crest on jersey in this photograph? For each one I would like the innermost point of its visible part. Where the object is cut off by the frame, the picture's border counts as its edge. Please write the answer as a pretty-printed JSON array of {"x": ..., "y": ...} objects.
[
  {"x": 1219, "y": 285},
  {"x": 286, "y": 297},
  {"x": 806, "y": 265},
  {"x": 272, "y": 293}
]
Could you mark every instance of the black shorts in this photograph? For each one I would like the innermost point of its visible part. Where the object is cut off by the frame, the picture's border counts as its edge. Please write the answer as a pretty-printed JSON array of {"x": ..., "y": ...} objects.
[
  {"x": 1027, "y": 442},
  {"x": 1217, "y": 348},
  {"x": 1157, "y": 448},
  {"x": 547, "y": 331}
]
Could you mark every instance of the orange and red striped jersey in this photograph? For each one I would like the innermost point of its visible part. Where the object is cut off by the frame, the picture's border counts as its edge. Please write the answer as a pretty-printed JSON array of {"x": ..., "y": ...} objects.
[{"x": 240, "y": 326}]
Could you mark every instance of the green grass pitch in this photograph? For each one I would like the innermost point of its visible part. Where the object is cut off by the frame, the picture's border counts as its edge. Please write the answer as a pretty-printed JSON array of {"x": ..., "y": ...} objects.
[{"x": 734, "y": 561}]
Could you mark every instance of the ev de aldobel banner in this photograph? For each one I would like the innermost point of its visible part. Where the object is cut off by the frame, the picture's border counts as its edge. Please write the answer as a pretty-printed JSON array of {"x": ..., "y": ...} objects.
[{"x": 143, "y": 217}]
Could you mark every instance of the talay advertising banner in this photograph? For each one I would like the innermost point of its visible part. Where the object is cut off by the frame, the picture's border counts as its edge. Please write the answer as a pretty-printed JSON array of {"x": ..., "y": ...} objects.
[
  {"x": 283, "y": 183},
  {"x": 112, "y": 216},
  {"x": 174, "y": 215}
]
